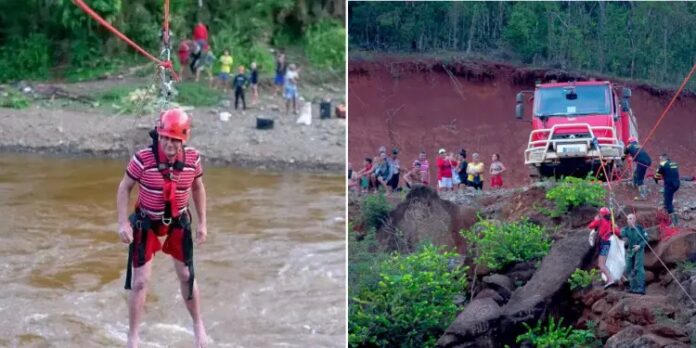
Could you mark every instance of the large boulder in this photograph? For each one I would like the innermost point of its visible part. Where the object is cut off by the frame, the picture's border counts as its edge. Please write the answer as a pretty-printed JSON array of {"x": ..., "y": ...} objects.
[
  {"x": 529, "y": 302},
  {"x": 638, "y": 337},
  {"x": 615, "y": 310},
  {"x": 424, "y": 217},
  {"x": 473, "y": 327},
  {"x": 675, "y": 249}
]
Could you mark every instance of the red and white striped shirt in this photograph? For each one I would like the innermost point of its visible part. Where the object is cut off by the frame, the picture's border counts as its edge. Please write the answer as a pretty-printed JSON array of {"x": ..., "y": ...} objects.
[{"x": 143, "y": 169}]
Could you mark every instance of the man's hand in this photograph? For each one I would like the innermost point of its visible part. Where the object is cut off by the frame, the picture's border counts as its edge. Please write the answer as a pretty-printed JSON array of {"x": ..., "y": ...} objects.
[
  {"x": 125, "y": 231},
  {"x": 201, "y": 233},
  {"x": 636, "y": 247}
]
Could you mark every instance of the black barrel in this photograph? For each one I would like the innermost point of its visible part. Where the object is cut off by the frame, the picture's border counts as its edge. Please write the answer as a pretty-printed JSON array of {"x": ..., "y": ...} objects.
[
  {"x": 264, "y": 123},
  {"x": 325, "y": 109}
]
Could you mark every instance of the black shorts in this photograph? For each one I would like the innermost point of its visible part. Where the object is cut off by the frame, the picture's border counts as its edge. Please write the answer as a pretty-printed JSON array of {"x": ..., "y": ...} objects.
[{"x": 394, "y": 181}]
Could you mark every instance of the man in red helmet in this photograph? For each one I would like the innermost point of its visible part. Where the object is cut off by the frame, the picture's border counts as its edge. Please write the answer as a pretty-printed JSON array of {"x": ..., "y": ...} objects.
[
  {"x": 167, "y": 173},
  {"x": 606, "y": 227}
]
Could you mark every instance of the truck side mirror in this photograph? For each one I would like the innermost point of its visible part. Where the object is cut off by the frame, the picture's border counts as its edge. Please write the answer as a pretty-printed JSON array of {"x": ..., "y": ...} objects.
[
  {"x": 519, "y": 108},
  {"x": 626, "y": 93},
  {"x": 519, "y": 98},
  {"x": 519, "y": 111}
]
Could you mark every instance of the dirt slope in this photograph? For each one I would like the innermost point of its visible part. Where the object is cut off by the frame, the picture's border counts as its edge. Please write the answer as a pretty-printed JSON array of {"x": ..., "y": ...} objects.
[{"x": 418, "y": 104}]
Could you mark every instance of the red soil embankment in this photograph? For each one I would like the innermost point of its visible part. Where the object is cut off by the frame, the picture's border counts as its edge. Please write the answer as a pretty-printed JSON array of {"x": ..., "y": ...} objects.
[{"x": 421, "y": 104}]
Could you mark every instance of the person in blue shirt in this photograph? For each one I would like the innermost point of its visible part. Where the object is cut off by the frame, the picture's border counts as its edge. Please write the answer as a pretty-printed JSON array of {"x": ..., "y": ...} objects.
[
  {"x": 642, "y": 162},
  {"x": 668, "y": 171}
]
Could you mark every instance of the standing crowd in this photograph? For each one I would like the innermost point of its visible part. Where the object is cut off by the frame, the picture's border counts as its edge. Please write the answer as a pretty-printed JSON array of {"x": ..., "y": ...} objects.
[
  {"x": 385, "y": 172},
  {"x": 197, "y": 55}
]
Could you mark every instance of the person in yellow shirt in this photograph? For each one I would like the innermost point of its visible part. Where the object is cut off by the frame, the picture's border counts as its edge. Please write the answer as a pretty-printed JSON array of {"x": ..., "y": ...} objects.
[
  {"x": 475, "y": 172},
  {"x": 226, "y": 62}
]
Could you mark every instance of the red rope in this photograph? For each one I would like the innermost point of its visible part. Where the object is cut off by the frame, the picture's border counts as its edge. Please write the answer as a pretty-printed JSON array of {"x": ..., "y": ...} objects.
[
  {"x": 165, "y": 64},
  {"x": 674, "y": 98}
]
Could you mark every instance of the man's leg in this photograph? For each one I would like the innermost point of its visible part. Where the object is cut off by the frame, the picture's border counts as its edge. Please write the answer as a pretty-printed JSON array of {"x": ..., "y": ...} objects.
[
  {"x": 241, "y": 93},
  {"x": 629, "y": 271},
  {"x": 136, "y": 301},
  {"x": 639, "y": 272},
  {"x": 192, "y": 305},
  {"x": 669, "y": 196},
  {"x": 236, "y": 98}
]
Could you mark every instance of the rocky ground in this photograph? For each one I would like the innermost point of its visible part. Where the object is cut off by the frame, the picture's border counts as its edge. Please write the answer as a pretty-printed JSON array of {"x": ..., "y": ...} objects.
[
  {"x": 527, "y": 292},
  {"x": 68, "y": 128}
]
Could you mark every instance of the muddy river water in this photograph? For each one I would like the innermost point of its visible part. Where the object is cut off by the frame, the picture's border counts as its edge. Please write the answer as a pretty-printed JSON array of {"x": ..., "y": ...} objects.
[{"x": 272, "y": 272}]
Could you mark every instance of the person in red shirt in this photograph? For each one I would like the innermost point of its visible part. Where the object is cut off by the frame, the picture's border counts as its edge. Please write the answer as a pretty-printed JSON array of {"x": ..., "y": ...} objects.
[
  {"x": 602, "y": 223},
  {"x": 184, "y": 53},
  {"x": 200, "y": 34},
  {"x": 444, "y": 170},
  {"x": 168, "y": 174}
]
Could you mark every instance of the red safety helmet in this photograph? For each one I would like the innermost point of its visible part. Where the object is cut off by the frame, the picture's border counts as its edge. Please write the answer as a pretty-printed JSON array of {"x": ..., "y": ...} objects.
[
  {"x": 604, "y": 211},
  {"x": 632, "y": 139},
  {"x": 175, "y": 124}
]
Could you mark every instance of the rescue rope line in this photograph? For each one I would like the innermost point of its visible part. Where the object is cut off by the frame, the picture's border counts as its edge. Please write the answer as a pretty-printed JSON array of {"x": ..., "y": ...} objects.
[
  {"x": 166, "y": 64},
  {"x": 669, "y": 106}
]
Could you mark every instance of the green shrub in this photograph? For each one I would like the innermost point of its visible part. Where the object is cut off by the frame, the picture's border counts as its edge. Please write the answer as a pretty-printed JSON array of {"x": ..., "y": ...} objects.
[
  {"x": 374, "y": 211},
  {"x": 582, "y": 279},
  {"x": 242, "y": 51},
  {"x": 11, "y": 98},
  {"x": 325, "y": 45},
  {"x": 411, "y": 305},
  {"x": 364, "y": 257},
  {"x": 556, "y": 336},
  {"x": 25, "y": 58},
  {"x": 499, "y": 245},
  {"x": 575, "y": 192},
  {"x": 685, "y": 266}
]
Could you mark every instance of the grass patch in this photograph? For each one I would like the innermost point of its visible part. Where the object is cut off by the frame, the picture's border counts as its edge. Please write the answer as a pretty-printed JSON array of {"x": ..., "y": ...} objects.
[{"x": 197, "y": 94}]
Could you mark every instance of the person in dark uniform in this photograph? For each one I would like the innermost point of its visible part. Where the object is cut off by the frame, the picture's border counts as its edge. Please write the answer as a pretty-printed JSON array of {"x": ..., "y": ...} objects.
[
  {"x": 642, "y": 162},
  {"x": 669, "y": 172}
]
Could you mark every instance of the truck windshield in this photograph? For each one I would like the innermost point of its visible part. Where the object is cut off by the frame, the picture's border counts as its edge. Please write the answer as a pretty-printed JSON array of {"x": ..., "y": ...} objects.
[{"x": 577, "y": 100}]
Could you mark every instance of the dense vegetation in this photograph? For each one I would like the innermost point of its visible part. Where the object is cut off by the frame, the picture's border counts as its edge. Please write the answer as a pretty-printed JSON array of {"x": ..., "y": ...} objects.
[
  {"x": 641, "y": 40},
  {"x": 42, "y": 39},
  {"x": 497, "y": 245},
  {"x": 404, "y": 300}
]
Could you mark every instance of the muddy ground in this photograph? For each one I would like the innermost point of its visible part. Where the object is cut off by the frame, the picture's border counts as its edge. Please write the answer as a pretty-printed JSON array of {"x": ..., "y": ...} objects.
[
  {"x": 74, "y": 129},
  {"x": 425, "y": 104}
]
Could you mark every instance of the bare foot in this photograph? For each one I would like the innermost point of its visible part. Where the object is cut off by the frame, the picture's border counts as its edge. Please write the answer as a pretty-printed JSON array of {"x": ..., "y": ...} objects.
[
  {"x": 201, "y": 338},
  {"x": 133, "y": 341}
]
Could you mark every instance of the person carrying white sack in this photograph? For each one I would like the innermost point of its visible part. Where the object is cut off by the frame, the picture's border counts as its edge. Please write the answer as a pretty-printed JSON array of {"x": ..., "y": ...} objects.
[{"x": 603, "y": 224}]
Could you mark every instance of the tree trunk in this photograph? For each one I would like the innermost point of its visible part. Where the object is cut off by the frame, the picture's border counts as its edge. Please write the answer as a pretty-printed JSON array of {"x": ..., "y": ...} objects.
[
  {"x": 501, "y": 10},
  {"x": 602, "y": 26},
  {"x": 472, "y": 26}
]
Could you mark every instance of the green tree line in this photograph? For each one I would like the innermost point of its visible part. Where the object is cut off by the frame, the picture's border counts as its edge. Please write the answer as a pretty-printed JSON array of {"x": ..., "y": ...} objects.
[
  {"x": 652, "y": 41},
  {"x": 44, "y": 38}
]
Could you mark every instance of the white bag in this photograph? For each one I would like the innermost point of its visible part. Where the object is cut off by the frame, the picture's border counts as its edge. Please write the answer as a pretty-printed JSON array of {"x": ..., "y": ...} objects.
[
  {"x": 616, "y": 260},
  {"x": 305, "y": 114}
]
